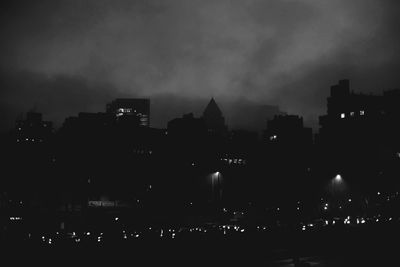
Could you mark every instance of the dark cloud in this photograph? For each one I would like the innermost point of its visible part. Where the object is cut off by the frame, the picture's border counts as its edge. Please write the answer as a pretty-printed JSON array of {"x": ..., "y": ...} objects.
[
  {"x": 56, "y": 96},
  {"x": 79, "y": 53}
]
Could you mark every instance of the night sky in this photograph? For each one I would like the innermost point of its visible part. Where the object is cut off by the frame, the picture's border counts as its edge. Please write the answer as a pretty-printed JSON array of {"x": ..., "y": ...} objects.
[{"x": 63, "y": 57}]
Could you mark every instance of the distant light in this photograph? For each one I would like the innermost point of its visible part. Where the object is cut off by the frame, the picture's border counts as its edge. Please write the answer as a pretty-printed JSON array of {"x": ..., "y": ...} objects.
[
  {"x": 116, "y": 218},
  {"x": 362, "y": 112},
  {"x": 379, "y": 193},
  {"x": 349, "y": 199},
  {"x": 343, "y": 115},
  {"x": 352, "y": 113},
  {"x": 338, "y": 177},
  {"x": 325, "y": 208}
]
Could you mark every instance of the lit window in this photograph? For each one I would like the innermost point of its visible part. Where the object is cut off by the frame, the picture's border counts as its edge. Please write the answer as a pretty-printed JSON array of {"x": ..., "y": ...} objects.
[
  {"x": 342, "y": 115},
  {"x": 362, "y": 112},
  {"x": 352, "y": 113},
  {"x": 273, "y": 137}
]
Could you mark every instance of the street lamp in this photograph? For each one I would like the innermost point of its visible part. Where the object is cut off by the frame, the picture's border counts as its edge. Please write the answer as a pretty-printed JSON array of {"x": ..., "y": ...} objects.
[
  {"x": 337, "y": 186},
  {"x": 216, "y": 185}
]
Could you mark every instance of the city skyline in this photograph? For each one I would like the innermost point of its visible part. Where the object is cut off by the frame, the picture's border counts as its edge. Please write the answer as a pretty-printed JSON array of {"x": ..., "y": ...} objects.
[
  {"x": 63, "y": 57},
  {"x": 200, "y": 132},
  {"x": 268, "y": 113}
]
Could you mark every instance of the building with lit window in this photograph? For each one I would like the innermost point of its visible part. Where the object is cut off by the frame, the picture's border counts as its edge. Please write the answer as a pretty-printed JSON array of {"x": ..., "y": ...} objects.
[
  {"x": 358, "y": 133},
  {"x": 288, "y": 130},
  {"x": 33, "y": 129},
  {"x": 122, "y": 108},
  {"x": 350, "y": 114}
]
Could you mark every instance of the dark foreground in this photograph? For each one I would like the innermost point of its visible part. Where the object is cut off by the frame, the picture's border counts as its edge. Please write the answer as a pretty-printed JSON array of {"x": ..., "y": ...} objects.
[{"x": 363, "y": 245}]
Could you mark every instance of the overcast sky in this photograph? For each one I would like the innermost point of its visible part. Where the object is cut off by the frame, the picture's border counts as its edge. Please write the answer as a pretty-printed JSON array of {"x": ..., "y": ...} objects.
[{"x": 63, "y": 57}]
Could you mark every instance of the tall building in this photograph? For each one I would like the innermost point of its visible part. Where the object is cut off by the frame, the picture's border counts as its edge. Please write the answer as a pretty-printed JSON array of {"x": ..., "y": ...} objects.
[
  {"x": 359, "y": 134},
  {"x": 214, "y": 119},
  {"x": 351, "y": 117},
  {"x": 33, "y": 128},
  {"x": 188, "y": 127},
  {"x": 288, "y": 130},
  {"x": 122, "y": 108}
]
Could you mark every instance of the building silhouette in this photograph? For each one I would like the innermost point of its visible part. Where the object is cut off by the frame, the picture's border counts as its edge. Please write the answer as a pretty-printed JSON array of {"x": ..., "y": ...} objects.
[
  {"x": 33, "y": 129},
  {"x": 357, "y": 136},
  {"x": 288, "y": 130},
  {"x": 214, "y": 119},
  {"x": 126, "y": 108},
  {"x": 188, "y": 127}
]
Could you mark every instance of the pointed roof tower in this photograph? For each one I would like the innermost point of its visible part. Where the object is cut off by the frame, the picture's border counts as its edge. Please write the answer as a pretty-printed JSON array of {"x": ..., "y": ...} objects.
[
  {"x": 213, "y": 117},
  {"x": 212, "y": 109}
]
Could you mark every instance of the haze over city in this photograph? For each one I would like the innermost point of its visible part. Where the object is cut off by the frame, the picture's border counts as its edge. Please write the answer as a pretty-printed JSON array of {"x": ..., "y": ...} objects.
[{"x": 63, "y": 57}]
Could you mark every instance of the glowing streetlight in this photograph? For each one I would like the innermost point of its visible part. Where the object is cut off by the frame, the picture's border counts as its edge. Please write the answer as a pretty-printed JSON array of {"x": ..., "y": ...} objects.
[
  {"x": 337, "y": 185},
  {"x": 216, "y": 185}
]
